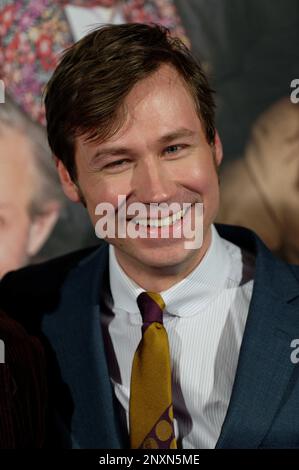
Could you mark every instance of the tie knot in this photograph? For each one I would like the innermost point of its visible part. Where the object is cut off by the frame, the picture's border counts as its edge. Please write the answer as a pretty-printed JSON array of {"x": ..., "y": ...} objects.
[{"x": 151, "y": 306}]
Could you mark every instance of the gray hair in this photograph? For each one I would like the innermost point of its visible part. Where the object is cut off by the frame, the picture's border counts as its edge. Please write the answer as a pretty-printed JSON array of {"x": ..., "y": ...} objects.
[{"x": 49, "y": 188}]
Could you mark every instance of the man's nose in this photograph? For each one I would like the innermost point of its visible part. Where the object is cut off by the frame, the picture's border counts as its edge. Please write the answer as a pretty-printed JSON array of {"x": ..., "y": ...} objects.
[{"x": 152, "y": 183}]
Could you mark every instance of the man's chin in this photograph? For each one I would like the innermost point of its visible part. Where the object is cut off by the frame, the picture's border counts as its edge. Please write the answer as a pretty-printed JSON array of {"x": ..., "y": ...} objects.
[{"x": 166, "y": 257}]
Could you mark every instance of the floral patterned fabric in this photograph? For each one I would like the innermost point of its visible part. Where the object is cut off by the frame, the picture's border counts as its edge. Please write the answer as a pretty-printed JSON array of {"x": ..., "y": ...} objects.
[{"x": 33, "y": 33}]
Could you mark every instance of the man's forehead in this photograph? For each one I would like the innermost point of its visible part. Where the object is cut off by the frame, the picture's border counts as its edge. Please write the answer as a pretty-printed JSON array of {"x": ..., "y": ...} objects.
[
  {"x": 17, "y": 170},
  {"x": 165, "y": 73},
  {"x": 166, "y": 76}
]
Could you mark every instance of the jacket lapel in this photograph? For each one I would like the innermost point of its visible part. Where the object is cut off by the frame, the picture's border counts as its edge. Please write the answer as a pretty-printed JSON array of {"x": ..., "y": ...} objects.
[
  {"x": 80, "y": 355},
  {"x": 265, "y": 367}
]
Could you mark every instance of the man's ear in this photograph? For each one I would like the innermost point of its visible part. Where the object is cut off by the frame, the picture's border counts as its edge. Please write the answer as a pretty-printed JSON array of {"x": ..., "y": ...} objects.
[
  {"x": 218, "y": 151},
  {"x": 41, "y": 227},
  {"x": 70, "y": 189}
]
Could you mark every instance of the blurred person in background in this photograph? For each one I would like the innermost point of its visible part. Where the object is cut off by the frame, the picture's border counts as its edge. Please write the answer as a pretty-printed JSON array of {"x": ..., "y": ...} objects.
[
  {"x": 261, "y": 190},
  {"x": 30, "y": 195}
]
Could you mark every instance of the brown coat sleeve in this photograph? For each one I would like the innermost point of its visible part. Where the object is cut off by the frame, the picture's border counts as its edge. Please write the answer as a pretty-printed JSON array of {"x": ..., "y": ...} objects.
[{"x": 22, "y": 388}]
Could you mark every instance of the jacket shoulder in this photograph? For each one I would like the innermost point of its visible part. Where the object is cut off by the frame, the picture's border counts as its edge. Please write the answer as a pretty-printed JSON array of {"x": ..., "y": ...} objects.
[{"x": 34, "y": 286}]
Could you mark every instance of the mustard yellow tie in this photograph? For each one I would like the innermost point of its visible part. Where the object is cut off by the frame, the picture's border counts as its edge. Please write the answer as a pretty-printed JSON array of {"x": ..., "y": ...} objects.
[{"x": 151, "y": 410}]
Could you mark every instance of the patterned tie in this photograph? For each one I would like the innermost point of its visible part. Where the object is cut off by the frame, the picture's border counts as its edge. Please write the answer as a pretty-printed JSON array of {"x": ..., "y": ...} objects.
[{"x": 151, "y": 410}]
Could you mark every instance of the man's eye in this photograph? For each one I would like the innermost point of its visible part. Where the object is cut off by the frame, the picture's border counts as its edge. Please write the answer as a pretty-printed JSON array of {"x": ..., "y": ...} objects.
[
  {"x": 171, "y": 149},
  {"x": 116, "y": 163}
]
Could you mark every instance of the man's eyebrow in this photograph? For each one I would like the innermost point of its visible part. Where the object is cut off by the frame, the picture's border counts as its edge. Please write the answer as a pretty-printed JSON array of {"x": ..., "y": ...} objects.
[{"x": 177, "y": 134}]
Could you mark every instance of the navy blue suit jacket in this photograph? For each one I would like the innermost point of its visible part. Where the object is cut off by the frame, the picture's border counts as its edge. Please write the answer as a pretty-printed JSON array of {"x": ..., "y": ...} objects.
[{"x": 58, "y": 302}]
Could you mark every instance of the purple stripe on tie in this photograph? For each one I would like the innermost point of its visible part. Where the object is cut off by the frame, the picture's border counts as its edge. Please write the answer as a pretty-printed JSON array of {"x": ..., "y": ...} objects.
[{"x": 149, "y": 309}]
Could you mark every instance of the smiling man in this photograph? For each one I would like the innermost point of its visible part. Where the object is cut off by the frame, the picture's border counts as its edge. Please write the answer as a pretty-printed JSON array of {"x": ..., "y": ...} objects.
[
  {"x": 168, "y": 161},
  {"x": 151, "y": 343}
]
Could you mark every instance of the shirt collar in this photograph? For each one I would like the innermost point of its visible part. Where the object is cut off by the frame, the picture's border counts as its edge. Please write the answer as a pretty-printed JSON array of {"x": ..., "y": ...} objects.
[{"x": 184, "y": 298}]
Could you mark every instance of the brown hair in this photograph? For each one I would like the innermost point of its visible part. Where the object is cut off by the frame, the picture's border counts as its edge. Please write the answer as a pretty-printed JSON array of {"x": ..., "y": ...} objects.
[{"x": 87, "y": 90}]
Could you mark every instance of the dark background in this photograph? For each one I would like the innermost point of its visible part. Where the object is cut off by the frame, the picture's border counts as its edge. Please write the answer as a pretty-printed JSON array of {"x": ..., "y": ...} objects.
[{"x": 251, "y": 51}]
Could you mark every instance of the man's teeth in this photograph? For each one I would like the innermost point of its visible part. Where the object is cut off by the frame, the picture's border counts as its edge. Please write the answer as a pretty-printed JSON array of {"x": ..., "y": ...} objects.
[{"x": 164, "y": 222}]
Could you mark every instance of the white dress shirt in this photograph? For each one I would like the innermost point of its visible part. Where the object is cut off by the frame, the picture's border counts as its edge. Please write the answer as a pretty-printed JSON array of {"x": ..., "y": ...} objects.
[{"x": 205, "y": 319}]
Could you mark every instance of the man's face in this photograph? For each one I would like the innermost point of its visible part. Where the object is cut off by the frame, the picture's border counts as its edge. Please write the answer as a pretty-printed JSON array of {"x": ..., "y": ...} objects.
[
  {"x": 160, "y": 155},
  {"x": 16, "y": 168}
]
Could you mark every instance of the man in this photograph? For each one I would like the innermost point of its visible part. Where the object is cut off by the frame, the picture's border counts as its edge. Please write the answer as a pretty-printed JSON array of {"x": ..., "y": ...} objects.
[
  {"x": 30, "y": 197},
  {"x": 150, "y": 343}
]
